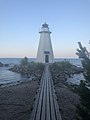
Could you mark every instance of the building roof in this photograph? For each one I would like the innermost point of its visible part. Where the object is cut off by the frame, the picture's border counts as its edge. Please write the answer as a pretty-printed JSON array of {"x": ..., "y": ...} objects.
[{"x": 45, "y": 25}]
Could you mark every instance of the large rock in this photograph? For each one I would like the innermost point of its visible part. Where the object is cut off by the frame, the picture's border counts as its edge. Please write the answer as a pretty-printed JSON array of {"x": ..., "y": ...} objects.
[
  {"x": 20, "y": 69},
  {"x": 15, "y": 68},
  {"x": 77, "y": 70},
  {"x": 6, "y": 65}
]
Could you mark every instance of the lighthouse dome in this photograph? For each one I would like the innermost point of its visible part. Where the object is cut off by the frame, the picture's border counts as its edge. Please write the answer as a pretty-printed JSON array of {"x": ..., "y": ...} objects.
[
  {"x": 45, "y": 25},
  {"x": 45, "y": 28}
]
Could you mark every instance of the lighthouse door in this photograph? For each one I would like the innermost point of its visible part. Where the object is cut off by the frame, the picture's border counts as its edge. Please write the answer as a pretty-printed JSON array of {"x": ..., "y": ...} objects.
[{"x": 46, "y": 58}]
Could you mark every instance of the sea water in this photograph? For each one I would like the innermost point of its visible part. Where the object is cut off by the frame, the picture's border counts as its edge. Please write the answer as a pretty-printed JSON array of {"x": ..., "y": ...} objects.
[
  {"x": 11, "y": 78},
  {"x": 8, "y": 77}
]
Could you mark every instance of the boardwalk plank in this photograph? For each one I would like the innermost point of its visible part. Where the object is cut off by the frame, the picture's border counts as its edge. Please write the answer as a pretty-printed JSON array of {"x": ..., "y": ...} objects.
[
  {"x": 43, "y": 115},
  {"x": 46, "y": 106},
  {"x": 34, "y": 112},
  {"x": 39, "y": 109},
  {"x": 52, "y": 105}
]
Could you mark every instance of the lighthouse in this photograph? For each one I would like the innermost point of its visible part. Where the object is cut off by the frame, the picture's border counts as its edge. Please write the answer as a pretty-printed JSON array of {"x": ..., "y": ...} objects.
[{"x": 45, "y": 51}]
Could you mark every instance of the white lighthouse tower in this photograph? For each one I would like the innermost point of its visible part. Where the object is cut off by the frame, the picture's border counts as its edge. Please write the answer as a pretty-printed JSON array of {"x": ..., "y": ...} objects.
[{"x": 45, "y": 52}]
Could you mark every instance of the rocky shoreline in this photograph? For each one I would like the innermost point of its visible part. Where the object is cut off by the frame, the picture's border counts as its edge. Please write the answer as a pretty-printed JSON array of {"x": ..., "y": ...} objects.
[
  {"x": 62, "y": 73},
  {"x": 32, "y": 69},
  {"x": 16, "y": 102},
  {"x": 67, "y": 99}
]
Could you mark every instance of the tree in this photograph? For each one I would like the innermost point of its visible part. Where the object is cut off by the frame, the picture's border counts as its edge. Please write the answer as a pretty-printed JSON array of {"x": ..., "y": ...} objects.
[
  {"x": 84, "y": 92},
  {"x": 84, "y": 55},
  {"x": 24, "y": 61},
  {"x": 82, "y": 52}
]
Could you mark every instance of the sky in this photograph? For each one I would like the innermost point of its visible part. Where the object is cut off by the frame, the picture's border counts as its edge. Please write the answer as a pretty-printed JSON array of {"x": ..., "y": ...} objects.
[{"x": 21, "y": 21}]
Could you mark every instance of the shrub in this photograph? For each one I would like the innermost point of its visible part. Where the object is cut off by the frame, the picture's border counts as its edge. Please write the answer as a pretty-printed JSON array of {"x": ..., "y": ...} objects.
[{"x": 24, "y": 61}]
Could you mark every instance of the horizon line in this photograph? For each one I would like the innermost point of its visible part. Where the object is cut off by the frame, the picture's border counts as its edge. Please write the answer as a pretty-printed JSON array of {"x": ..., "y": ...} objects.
[{"x": 35, "y": 57}]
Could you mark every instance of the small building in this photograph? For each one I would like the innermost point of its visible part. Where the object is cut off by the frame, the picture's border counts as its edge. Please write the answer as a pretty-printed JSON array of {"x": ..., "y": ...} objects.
[{"x": 45, "y": 51}]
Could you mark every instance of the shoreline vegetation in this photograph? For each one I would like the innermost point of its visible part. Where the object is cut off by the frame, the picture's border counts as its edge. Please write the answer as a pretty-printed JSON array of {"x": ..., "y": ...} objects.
[
  {"x": 16, "y": 102},
  {"x": 83, "y": 89}
]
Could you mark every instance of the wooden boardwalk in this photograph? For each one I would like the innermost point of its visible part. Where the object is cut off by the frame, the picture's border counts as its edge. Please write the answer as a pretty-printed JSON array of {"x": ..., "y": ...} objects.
[{"x": 46, "y": 106}]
